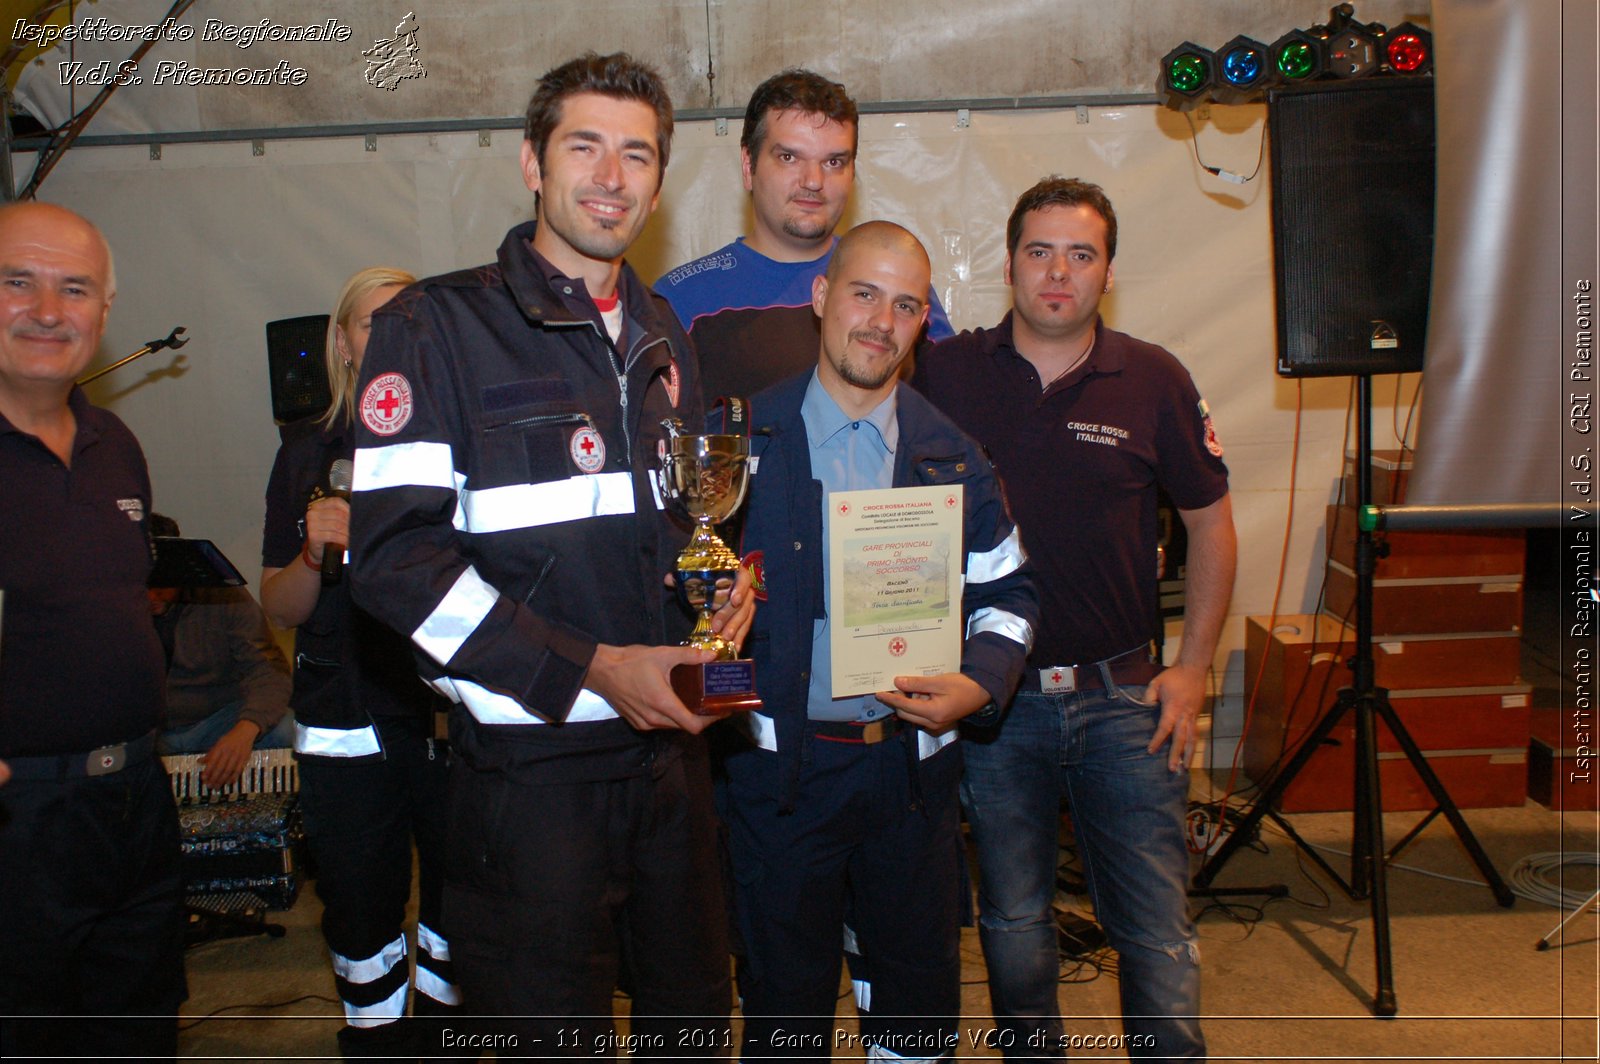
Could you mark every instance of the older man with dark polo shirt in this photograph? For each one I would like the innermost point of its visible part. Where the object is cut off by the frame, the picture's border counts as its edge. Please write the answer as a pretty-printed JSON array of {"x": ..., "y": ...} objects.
[
  {"x": 1083, "y": 424},
  {"x": 92, "y": 922}
]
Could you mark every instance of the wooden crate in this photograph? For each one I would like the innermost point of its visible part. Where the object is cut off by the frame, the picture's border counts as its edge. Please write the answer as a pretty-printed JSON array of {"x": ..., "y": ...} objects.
[
  {"x": 1474, "y": 779},
  {"x": 1473, "y": 732},
  {"x": 1391, "y": 475},
  {"x": 1415, "y": 661},
  {"x": 1415, "y": 606},
  {"x": 1488, "y": 554},
  {"x": 1562, "y": 769}
]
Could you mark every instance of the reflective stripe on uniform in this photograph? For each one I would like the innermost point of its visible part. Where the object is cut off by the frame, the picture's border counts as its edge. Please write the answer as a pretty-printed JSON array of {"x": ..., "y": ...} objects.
[
  {"x": 371, "y": 968},
  {"x": 763, "y": 731},
  {"x": 388, "y": 1010},
  {"x": 456, "y": 617},
  {"x": 434, "y": 970},
  {"x": 550, "y": 503},
  {"x": 431, "y": 942},
  {"x": 336, "y": 742},
  {"x": 992, "y": 619},
  {"x": 1002, "y": 560},
  {"x": 488, "y": 707},
  {"x": 404, "y": 465},
  {"x": 429, "y": 982}
]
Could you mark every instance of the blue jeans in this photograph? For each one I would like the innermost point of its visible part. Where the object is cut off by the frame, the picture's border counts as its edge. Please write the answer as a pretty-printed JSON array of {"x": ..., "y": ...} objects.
[
  {"x": 202, "y": 735},
  {"x": 1128, "y": 813}
]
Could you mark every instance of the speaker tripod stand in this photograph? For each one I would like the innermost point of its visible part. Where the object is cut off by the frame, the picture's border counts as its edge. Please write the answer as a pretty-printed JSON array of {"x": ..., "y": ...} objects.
[{"x": 1370, "y": 703}]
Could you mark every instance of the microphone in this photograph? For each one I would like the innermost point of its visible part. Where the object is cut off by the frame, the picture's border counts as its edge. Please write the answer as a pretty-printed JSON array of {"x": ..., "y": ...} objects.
[{"x": 341, "y": 474}]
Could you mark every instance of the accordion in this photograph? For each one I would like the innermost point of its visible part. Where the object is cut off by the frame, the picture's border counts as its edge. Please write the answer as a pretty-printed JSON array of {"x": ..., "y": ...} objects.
[{"x": 238, "y": 843}]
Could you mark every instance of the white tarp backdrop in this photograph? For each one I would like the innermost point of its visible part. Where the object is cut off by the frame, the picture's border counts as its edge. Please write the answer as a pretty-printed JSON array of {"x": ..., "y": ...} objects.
[
  {"x": 223, "y": 237},
  {"x": 218, "y": 239}
]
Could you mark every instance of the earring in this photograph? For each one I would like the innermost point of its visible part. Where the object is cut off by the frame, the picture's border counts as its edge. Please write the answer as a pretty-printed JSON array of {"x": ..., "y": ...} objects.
[{"x": 347, "y": 362}]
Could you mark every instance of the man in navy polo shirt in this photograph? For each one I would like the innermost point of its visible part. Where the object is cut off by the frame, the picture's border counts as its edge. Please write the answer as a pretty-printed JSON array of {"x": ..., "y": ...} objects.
[
  {"x": 90, "y": 891},
  {"x": 1084, "y": 423}
]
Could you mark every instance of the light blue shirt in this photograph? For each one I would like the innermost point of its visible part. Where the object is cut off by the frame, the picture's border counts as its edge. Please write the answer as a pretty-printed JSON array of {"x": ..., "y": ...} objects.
[{"x": 846, "y": 455}]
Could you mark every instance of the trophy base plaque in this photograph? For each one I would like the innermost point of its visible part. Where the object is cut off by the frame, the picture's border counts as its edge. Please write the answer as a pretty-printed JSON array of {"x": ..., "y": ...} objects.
[{"x": 716, "y": 688}]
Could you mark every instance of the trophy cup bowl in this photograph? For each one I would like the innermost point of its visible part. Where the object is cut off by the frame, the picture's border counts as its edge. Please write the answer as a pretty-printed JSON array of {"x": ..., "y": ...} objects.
[{"x": 704, "y": 478}]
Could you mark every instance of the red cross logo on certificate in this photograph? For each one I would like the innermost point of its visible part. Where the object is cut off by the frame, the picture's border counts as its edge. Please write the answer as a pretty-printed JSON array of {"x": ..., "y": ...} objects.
[
  {"x": 897, "y": 646},
  {"x": 844, "y": 509},
  {"x": 1055, "y": 677},
  {"x": 949, "y": 502},
  {"x": 386, "y": 404}
]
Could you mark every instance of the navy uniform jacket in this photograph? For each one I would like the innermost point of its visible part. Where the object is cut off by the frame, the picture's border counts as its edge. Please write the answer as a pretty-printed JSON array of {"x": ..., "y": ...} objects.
[
  {"x": 506, "y": 514},
  {"x": 783, "y": 519},
  {"x": 350, "y": 670}
]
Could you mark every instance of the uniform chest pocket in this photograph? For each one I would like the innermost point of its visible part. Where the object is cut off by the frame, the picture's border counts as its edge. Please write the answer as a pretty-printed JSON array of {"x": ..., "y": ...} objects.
[
  {"x": 533, "y": 444},
  {"x": 939, "y": 472}
]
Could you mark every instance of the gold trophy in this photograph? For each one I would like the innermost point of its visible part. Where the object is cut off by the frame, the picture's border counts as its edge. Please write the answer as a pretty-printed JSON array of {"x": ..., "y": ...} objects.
[{"x": 704, "y": 478}]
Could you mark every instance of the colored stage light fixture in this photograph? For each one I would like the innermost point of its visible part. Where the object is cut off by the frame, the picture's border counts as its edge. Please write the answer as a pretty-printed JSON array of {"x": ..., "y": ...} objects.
[
  {"x": 1188, "y": 74},
  {"x": 1297, "y": 57},
  {"x": 1353, "y": 51},
  {"x": 1408, "y": 49},
  {"x": 1242, "y": 70}
]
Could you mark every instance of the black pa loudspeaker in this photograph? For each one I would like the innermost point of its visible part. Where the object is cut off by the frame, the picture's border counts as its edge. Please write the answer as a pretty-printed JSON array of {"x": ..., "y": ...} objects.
[
  {"x": 295, "y": 360},
  {"x": 1352, "y": 225}
]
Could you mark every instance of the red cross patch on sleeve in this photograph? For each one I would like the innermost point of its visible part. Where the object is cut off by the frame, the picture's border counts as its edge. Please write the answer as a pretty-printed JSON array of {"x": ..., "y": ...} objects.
[
  {"x": 1213, "y": 444},
  {"x": 386, "y": 404}
]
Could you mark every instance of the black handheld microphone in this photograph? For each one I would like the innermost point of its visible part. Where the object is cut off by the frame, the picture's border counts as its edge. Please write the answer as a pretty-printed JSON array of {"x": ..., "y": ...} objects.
[{"x": 341, "y": 474}]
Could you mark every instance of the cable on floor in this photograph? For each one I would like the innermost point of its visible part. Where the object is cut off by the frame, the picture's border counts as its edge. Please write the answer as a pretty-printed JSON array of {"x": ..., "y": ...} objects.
[
  {"x": 1537, "y": 878},
  {"x": 217, "y": 1014}
]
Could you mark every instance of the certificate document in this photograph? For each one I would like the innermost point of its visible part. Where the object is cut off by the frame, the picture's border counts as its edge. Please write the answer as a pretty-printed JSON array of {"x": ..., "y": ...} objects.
[{"x": 894, "y": 585}]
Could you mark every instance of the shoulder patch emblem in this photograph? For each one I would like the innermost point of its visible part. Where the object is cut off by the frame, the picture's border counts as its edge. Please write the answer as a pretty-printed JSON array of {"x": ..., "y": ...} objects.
[
  {"x": 588, "y": 450},
  {"x": 386, "y": 404},
  {"x": 1213, "y": 444},
  {"x": 673, "y": 382},
  {"x": 756, "y": 562}
]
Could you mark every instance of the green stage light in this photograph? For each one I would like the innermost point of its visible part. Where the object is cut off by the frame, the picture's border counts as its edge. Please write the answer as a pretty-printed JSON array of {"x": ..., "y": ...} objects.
[
  {"x": 1188, "y": 74},
  {"x": 1297, "y": 57}
]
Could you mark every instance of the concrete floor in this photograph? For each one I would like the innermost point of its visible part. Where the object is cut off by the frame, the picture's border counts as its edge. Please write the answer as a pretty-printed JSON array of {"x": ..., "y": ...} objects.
[{"x": 1294, "y": 984}]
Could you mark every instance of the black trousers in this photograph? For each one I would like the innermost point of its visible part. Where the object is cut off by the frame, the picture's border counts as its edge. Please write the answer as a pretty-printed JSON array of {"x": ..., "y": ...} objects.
[
  {"x": 361, "y": 818},
  {"x": 549, "y": 884},
  {"x": 874, "y": 834},
  {"x": 91, "y": 916}
]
